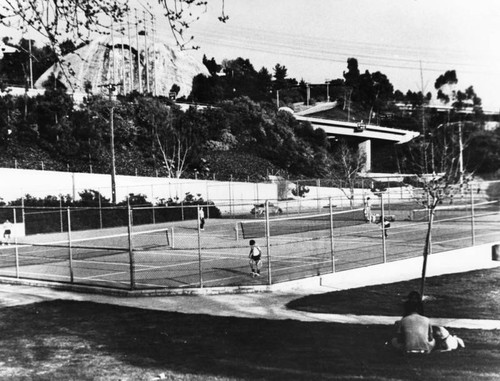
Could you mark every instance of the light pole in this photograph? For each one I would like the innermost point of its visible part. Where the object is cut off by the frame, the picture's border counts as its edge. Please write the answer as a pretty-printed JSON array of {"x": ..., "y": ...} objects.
[
  {"x": 327, "y": 81},
  {"x": 111, "y": 88}
]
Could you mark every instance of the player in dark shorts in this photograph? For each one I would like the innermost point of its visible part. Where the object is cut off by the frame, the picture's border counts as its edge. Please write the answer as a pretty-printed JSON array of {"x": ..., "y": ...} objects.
[
  {"x": 255, "y": 258},
  {"x": 7, "y": 231}
]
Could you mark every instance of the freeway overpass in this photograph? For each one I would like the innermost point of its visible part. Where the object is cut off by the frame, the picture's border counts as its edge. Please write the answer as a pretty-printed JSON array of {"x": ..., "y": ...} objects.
[{"x": 361, "y": 132}]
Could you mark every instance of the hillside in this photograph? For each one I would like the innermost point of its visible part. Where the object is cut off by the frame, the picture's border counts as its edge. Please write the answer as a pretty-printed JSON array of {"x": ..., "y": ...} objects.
[
  {"x": 224, "y": 165},
  {"x": 100, "y": 62}
]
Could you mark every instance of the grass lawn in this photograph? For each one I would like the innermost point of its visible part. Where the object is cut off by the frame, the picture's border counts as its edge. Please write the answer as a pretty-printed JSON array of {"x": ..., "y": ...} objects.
[
  {"x": 68, "y": 340},
  {"x": 470, "y": 295}
]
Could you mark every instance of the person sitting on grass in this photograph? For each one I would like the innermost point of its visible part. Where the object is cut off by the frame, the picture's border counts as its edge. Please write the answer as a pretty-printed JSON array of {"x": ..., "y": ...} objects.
[{"x": 414, "y": 331}]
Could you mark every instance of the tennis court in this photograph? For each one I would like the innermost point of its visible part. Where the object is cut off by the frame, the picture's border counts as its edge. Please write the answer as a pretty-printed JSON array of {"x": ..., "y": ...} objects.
[{"x": 179, "y": 255}]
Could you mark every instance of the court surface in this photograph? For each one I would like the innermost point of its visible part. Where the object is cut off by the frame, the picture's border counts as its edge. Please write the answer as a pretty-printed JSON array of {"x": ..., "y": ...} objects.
[{"x": 218, "y": 256}]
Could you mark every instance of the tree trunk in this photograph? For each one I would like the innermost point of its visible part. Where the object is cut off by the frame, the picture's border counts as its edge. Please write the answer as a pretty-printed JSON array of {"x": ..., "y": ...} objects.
[{"x": 427, "y": 251}]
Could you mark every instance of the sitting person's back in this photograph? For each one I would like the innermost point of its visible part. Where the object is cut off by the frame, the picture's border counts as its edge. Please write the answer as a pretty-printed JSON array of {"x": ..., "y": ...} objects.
[
  {"x": 416, "y": 333},
  {"x": 414, "y": 330}
]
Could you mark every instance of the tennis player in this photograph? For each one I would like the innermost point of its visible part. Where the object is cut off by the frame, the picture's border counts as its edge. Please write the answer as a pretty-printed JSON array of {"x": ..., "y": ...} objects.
[
  {"x": 201, "y": 218},
  {"x": 255, "y": 259},
  {"x": 7, "y": 231}
]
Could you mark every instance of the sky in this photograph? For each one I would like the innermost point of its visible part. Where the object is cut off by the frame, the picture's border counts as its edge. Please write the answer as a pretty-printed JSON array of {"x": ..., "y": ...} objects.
[{"x": 411, "y": 41}]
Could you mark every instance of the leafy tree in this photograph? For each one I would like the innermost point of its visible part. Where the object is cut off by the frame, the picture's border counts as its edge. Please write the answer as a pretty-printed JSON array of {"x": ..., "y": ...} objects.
[
  {"x": 280, "y": 74},
  {"x": 92, "y": 198},
  {"x": 352, "y": 76},
  {"x": 264, "y": 84},
  {"x": 483, "y": 151},
  {"x": 444, "y": 84},
  {"x": 207, "y": 89},
  {"x": 213, "y": 67}
]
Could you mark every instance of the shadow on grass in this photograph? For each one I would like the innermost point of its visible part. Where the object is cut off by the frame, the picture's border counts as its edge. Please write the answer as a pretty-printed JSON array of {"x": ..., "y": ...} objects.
[
  {"x": 468, "y": 295},
  {"x": 63, "y": 340}
]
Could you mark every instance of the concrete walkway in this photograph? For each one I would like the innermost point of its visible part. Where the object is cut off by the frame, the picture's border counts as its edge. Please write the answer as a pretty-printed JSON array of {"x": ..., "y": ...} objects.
[{"x": 271, "y": 305}]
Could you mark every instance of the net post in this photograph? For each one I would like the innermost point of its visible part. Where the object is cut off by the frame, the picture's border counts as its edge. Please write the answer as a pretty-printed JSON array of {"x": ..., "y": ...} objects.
[
  {"x": 15, "y": 242},
  {"x": 268, "y": 243},
  {"x": 472, "y": 217},
  {"x": 70, "y": 250},
  {"x": 130, "y": 247},
  {"x": 332, "y": 243}
]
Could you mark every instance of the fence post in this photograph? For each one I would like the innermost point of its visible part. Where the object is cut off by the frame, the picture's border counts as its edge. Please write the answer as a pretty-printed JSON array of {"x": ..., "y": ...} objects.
[
  {"x": 200, "y": 267},
  {"x": 130, "y": 247},
  {"x": 268, "y": 243},
  {"x": 61, "y": 214},
  {"x": 70, "y": 250},
  {"x": 153, "y": 203},
  {"x": 23, "y": 214},
  {"x": 388, "y": 196},
  {"x": 382, "y": 218},
  {"x": 15, "y": 243},
  {"x": 100, "y": 210},
  {"x": 332, "y": 243},
  {"x": 472, "y": 219},
  {"x": 230, "y": 196},
  {"x": 318, "y": 202}
]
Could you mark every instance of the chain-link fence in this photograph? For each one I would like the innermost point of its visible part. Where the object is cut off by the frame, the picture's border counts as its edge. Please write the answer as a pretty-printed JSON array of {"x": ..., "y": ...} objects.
[{"x": 158, "y": 247}]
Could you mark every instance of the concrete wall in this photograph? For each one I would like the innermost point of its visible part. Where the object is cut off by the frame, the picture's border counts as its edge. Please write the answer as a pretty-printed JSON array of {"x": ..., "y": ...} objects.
[
  {"x": 16, "y": 183},
  {"x": 231, "y": 197}
]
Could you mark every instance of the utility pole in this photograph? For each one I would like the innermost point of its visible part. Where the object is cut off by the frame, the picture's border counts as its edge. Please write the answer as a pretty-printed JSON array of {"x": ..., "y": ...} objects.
[
  {"x": 130, "y": 61},
  {"x": 139, "y": 74},
  {"x": 153, "y": 31},
  {"x": 31, "y": 64},
  {"x": 146, "y": 51},
  {"x": 461, "y": 157},
  {"x": 111, "y": 87}
]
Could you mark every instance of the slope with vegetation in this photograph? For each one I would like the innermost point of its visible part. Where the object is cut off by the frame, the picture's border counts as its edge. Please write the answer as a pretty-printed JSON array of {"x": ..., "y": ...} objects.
[{"x": 241, "y": 136}]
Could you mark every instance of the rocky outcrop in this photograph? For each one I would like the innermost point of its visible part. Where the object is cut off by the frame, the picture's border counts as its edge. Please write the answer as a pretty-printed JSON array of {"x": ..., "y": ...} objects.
[{"x": 117, "y": 60}]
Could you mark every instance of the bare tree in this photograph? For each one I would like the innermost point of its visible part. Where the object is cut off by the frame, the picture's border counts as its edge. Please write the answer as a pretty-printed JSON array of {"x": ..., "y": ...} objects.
[
  {"x": 175, "y": 137},
  {"x": 449, "y": 181},
  {"x": 347, "y": 165}
]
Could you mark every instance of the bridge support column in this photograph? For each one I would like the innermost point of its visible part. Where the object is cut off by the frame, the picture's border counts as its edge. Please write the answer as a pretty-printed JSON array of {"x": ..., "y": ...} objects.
[{"x": 365, "y": 148}]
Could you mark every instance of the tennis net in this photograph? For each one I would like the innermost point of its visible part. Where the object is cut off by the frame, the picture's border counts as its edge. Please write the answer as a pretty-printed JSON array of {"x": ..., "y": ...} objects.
[
  {"x": 302, "y": 224},
  {"x": 455, "y": 212},
  {"x": 32, "y": 253}
]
